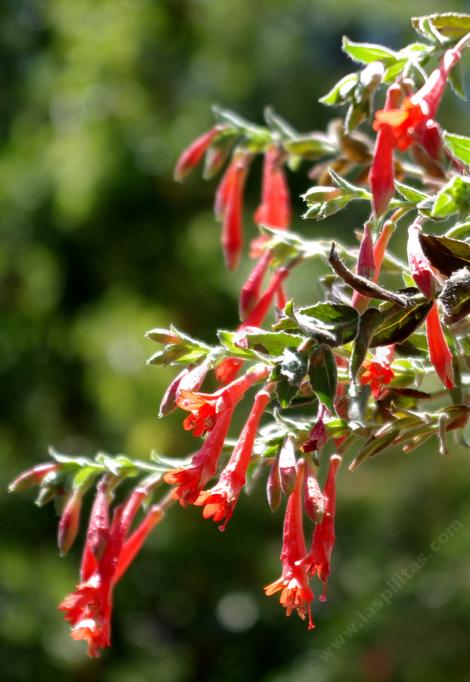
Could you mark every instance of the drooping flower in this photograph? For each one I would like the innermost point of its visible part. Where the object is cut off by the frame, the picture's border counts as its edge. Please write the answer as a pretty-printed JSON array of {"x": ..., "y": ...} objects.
[
  {"x": 250, "y": 290},
  {"x": 408, "y": 123},
  {"x": 381, "y": 174},
  {"x": 293, "y": 583},
  {"x": 69, "y": 521},
  {"x": 205, "y": 408},
  {"x": 229, "y": 367},
  {"x": 191, "y": 480},
  {"x": 317, "y": 561},
  {"x": 274, "y": 210},
  {"x": 318, "y": 436},
  {"x": 193, "y": 154},
  {"x": 229, "y": 207},
  {"x": 219, "y": 502},
  {"x": 420, "y": 269},
  {"x": 439, "y": 352},
  {"x": 88, "y": 609},
  {"x": 378, "y": 372}
]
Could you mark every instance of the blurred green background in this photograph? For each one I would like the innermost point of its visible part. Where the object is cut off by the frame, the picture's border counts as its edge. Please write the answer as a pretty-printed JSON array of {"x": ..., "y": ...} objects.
[{"x": 97, "y": 98}]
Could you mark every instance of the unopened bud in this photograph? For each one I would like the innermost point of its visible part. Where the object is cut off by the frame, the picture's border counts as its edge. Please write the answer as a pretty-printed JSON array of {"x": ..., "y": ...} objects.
[
  {"x": 314, "y": 501},
  {"x": 288, "y": 466},
  {"x": 69, "y": 522},
  {"x": 273, "y": 487},
  {"x": 33, "y": 476},
  {"x": 365, "y": 261}
]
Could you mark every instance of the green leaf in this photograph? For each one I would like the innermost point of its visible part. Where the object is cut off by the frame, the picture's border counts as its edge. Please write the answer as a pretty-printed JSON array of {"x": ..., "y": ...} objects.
[
  {"x": 355, "y": 191},
  {"x": 368, "y": 322},
  {"x": 456, "y": 82},
  {"x": 399, "y": 323},
  {"x": 313, "y": 146},
  {"x": 455, "y": 296},
  {"x": 231, "y": 341},
  {"x": 333, "y": 323},
  {"x": 454, "y": 197},
  {"x": 342, "y": 91},
  {"x": 278, "y": 124},
  {"x": 373, "y": 447},
  {"x": 323, "y": 375},
  {"x": 445, "y": 254},
  {"x": 459, "y": 231},
  {"x": 272, "y": 343},
  {"x": 410, "y": 193},
  {"x": 293, "y": 366},
  {"x": 180, "y": 354},
  {"x": 452, "y": 25},
  {"x": 285, "y": 392},
  {"x": 458, "y": 145},
  {"x": 365, "y": 53}
]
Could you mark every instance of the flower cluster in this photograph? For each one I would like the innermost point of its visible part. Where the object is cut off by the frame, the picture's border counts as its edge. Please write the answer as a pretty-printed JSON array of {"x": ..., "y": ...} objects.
[{"x": 345, "y": 374}]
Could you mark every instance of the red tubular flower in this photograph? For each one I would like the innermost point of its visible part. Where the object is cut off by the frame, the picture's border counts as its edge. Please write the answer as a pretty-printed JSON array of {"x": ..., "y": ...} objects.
[
  {"x": 293, "y": 583},
  {"x": 249, "y": 294},
  {"x": 206, "y": 407},
  {"x": 408, "y": 122},
  {"x": 274, "y": 210},
  {"x": 381, "y": 174},
  {"x": 219, "y": 502},
  {"x": 318, "y": 559},
  {"x": 88, "y": 608},
  {"x": 133, "y": 544},
  {"x": 33, "y": 476},
  {"x": 318, "y": 435},
  {"x": 228, "y": 369},
  {"x": 259, "y": 312},
  {"x": 377, "y": 372},
  {"x": 193, "y": 154},
  {"x": 229, "y": 208},
  {"x": 192, "y": 479},
  {"x": 419, "y": 265},
  {"x": 439, "y": 352},
  {"x": 69, "y": 522}
]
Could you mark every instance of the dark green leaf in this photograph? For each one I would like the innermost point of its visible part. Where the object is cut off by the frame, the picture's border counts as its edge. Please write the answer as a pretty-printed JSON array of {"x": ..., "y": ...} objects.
[
  {"x": 293, "y": 366},
  {"x": 323, "y": 375},
  {"x": 455, "y": 296},
  {"x": 399, "y": 323},
  {"x": 367, "y": 324},
  {"x": 456, "y": 82},
  {"x": 272, "y": 343},
  {"x": 444, "y": 253}
]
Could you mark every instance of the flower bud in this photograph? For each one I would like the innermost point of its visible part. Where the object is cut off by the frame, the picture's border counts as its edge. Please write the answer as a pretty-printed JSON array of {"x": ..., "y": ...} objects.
[
  {"x": 273, "y": 487},
  {"x": 288, "y": 465},
  {"x": 69, "y": 521},
  {"x": 193, "y": 154},
  {"x": 419, "y": 265},
  {"x": 314, "y": 501},
  {"x": 33, "y": 476}
]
